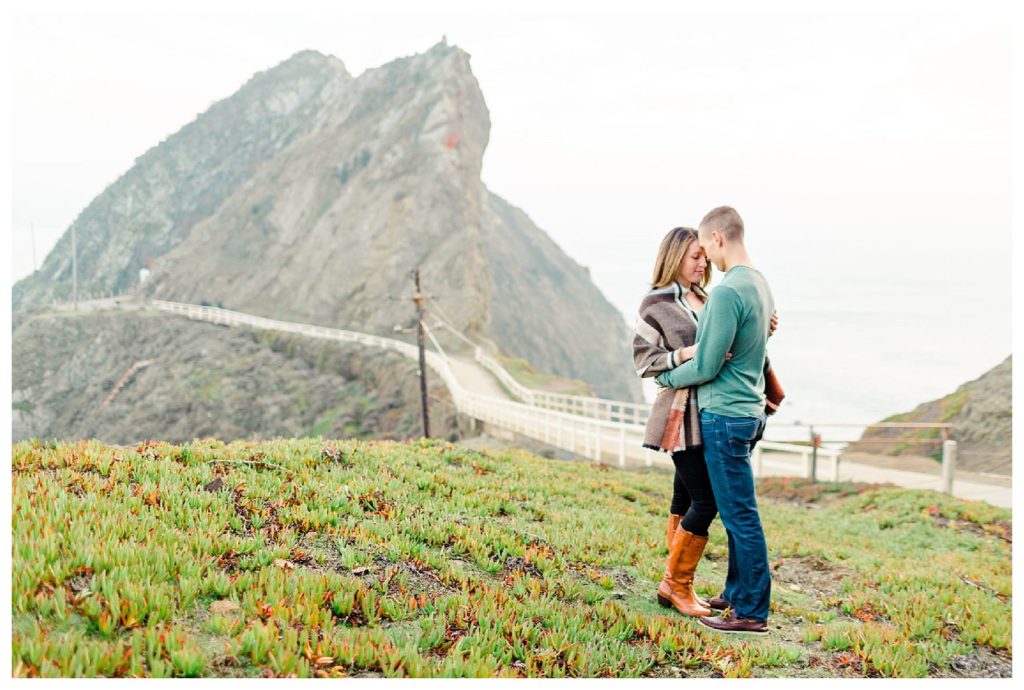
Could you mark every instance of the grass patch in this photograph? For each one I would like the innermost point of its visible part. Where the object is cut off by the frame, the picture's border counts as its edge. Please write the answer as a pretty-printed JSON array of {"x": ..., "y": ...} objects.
[
  {"x": 23, "y": 406},
  {"x": 524, "y": 372},
  {"x": 316, "y": 558}
]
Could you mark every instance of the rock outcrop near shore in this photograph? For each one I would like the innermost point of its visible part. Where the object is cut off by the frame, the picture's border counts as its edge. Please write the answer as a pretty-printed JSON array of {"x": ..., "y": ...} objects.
[{"x": 981, "y": 412}]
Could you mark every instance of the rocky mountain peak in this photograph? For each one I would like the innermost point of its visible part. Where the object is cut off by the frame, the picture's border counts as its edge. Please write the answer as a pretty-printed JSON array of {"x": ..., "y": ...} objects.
[{"x": 310, "y": 195}]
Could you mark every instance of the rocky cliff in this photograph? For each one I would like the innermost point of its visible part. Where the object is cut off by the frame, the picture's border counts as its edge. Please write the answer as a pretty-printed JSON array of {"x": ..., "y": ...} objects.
[
  {"x": 309, "y": 195},
  {"x": 126, "y": 377},
  {"x": 981, "y": 412}
]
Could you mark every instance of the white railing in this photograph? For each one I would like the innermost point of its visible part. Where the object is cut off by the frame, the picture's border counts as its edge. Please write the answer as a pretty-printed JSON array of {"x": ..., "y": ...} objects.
[
  {"x": 596, "y": 428},
  {"x": 227, "y": 317},
  {"x": 601, "y": 440},
  {"x": 515, "y": 389},
  {"x": 579, "y": 405},
  {"x": 806, "y": 453},
  {"x": 600, "y": 429}
]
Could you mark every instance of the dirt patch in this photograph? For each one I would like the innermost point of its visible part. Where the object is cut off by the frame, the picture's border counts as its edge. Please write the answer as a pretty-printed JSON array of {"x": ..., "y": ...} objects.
[
  {"x": 228, "y": 561},
  {"x": 985, "y": 662},
  {"x": 843, "y": 665},
  {"x": 376, "y": 503},
  {"x": 214, "y": 486},
  {"x": 676, "y": 670},
  {"x": 80, "y": 581},
  {"x": 515, "y": 564},
  {"x": 1000, "y": 529},
  {"x": 811, "y": 575},
  {"x": 229, "y": 666},
  {"x": 808, "y": 494},
  {"x": 625, "y": 581},
  {"x": 424, "y": 581}
]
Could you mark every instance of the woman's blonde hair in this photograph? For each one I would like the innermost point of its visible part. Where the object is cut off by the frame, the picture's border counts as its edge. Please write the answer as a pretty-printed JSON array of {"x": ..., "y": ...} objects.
[{"x": 670, "y": 257}]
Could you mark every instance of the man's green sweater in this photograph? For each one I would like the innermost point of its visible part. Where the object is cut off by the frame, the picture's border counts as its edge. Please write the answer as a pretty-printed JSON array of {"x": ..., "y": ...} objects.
[{"x": 735, "y": 319}]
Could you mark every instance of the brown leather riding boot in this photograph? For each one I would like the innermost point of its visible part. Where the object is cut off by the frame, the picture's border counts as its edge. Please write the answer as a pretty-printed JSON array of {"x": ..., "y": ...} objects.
[
  {"x": 676, "y": 589},
  {"x": 670, "y": 529},
  {"x": 673, "y": 522}
]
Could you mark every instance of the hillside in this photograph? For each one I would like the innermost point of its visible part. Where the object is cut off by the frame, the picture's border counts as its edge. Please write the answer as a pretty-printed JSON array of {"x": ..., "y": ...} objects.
[
  {"x": 309, "y": 195},
  {"x": 329, "y": 558},
  {"x": 198, "y": 380},
  {"x": 981, "y": 412}
]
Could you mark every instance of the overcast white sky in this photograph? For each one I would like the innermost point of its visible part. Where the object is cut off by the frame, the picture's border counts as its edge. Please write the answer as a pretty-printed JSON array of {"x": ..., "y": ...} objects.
[{"x": 856, "y": 146}]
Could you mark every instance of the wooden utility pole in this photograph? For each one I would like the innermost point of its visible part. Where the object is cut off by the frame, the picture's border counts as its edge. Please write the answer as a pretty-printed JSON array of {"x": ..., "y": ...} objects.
[{"x": 418, "y": 299}]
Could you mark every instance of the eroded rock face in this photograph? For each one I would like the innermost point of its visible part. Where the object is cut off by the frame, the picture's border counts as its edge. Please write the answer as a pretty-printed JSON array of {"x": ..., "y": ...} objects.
[
  {"x": 184, "y": 179},
  {"x": 309, "y": 195},
  {"x": 202, "y": 380},
  {"x": 981, "y": 412}
]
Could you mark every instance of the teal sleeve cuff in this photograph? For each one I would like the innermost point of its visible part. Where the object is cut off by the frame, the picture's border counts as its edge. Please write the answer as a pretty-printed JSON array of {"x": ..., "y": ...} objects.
[{"x": 685, "y": 375}]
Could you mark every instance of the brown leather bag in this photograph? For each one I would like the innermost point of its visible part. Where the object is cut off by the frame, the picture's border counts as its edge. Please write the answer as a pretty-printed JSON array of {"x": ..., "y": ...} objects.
[{"x": 773, "y": 392}]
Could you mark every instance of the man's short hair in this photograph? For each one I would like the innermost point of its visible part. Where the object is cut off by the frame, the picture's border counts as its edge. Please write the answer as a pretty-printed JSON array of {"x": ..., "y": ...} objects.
[{"x": 725, "y": 221}]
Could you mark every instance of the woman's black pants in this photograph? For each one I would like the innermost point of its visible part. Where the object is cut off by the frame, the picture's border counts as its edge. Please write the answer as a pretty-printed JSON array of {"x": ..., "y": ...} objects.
[{"x": 692, "y": 496}]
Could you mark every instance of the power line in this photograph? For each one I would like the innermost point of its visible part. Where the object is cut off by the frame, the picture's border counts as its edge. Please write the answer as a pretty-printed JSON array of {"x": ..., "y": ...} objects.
[
  {"x": 450, "y": 328},
  {"x": 434, "y": 340}
]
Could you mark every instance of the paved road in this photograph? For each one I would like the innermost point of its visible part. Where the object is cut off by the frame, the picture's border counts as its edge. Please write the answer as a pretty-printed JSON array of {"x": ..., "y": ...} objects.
[
  {"x": 781, "y": 465},
  {"x": 475, "y": 378},
  {"x": 922, "y": 465}
]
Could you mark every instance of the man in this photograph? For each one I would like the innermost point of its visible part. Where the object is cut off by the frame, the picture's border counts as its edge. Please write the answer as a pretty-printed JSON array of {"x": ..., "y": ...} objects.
[{"x": 731, "y": 402}]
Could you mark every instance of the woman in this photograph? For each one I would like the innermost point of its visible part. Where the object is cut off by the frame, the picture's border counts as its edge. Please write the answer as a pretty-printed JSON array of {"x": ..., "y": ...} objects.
[{"x": 665, "y": 334}]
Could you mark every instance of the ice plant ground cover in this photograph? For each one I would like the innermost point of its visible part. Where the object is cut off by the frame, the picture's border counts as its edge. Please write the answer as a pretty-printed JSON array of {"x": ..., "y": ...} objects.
[{"x": 344, "y": 558}]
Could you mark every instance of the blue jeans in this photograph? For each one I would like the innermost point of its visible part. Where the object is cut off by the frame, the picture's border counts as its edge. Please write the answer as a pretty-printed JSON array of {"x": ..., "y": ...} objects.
[{"x": 727, "y": 445}]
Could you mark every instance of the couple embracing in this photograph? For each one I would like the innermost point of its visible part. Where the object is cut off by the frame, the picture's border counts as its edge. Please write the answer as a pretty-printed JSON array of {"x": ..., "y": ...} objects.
[{"x": 708, "y": 352}]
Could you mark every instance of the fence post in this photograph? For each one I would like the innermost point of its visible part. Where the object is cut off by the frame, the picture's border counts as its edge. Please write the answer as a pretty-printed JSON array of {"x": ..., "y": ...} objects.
[
  {"x": 622, "y": 446},
  {"x": 815, "y": 442},
  {"x": 758, "y": 465},
  {"x": 948, "y": 465},
  {"x": 835, "y": 467}
]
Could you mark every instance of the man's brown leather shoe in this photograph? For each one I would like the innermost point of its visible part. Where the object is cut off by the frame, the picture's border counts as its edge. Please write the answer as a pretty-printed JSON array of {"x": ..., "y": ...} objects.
[
  {"x": 718, "y": 603},
  {"x": 729, "y": 623}
]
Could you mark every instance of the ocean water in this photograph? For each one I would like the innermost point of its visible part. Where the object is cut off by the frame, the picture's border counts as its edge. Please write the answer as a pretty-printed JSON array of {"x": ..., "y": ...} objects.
[{"x": 854, "y": 352}]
